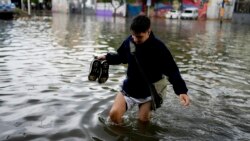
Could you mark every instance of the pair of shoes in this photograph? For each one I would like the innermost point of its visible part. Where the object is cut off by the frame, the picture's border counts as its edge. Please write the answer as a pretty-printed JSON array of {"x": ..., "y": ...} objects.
[{"x": 99, "y": 69}]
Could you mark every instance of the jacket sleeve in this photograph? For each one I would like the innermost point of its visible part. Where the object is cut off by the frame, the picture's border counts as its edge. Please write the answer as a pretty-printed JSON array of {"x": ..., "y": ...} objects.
[
  {"x": 171, "y": 70},
  {"x": 119, "y": 57}
]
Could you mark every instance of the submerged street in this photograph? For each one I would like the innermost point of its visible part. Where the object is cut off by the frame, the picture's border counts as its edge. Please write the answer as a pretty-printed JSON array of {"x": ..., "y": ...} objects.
[{"x": 45, "y": 94}]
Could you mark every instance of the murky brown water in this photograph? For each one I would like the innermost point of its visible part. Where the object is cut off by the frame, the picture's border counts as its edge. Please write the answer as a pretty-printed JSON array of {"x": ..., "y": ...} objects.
[{"x": 45, "y": 94}]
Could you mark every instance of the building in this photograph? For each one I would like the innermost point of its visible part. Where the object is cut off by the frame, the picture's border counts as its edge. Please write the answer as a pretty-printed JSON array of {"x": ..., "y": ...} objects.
[
  {"x": 73, "y": 6},
  {"x": 236, "y": 10},
  {"x": 241, "y": 12},
  {"x": 215, "y": 8}
]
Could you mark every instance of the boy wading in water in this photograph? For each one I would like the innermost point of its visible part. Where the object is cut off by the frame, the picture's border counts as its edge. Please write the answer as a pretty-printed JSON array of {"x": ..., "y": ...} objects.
[{"x": 155, "y": 60}]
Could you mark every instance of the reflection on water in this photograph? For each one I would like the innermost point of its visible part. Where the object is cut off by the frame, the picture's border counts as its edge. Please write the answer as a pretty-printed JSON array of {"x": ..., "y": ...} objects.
[{"x": 45, "y": 94}]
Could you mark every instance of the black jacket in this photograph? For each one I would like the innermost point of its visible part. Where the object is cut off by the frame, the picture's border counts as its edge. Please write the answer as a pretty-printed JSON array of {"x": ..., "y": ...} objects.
[{"x": 155, "y": 59}]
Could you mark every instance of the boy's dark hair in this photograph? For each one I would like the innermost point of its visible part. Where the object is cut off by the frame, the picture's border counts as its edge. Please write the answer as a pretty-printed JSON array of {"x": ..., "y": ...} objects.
[{"x": 140, "y": 24}]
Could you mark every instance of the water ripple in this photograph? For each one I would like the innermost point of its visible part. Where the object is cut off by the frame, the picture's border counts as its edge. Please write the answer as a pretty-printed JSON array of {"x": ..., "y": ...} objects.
[{"x": 45, "y": 93}]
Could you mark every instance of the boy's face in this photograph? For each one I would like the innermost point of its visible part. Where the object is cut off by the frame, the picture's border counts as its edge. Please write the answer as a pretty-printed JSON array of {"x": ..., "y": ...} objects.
[{"x": 140, "y": 38}]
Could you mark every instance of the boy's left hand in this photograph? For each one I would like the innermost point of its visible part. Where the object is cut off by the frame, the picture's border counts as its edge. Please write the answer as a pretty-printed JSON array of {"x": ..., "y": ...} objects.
[{"x": 184, "y": 99}]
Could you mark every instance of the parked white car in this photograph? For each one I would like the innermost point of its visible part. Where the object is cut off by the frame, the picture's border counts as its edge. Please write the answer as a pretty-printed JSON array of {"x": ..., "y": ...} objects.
[
  {"x": 173, "y": 14},
  {"x": 190, "y": 13}
]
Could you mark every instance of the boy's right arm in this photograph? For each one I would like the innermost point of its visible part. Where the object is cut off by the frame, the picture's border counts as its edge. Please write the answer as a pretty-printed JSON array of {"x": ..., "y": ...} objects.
[{"x": 116, "y": 58}]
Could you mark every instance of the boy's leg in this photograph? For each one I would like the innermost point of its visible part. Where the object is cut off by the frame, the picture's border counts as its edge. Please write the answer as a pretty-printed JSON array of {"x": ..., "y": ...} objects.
[
  {"x": 118, "y": 109},
  {"x": 145, "y": 112}
]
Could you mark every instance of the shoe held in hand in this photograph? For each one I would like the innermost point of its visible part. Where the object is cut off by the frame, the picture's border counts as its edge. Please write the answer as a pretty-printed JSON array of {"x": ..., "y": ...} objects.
[
  {"x": 104, "y": 74},
  {"x": 95, "y": 69}
]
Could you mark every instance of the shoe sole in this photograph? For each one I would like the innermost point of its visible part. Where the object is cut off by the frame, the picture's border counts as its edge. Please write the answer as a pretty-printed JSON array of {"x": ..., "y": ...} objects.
[
  {"x": 94, "y": 72},
  {"x": 104, "y": 75}
]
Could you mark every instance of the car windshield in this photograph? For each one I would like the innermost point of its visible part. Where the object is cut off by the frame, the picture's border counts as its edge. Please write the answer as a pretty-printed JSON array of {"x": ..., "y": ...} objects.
[
  {"x": 4, "y": 1},
  {"x": 187, "y": 11}
]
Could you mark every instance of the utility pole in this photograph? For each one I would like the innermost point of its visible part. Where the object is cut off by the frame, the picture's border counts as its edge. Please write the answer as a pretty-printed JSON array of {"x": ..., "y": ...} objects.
[
  {"x": 29, "y": 11},
  {"x": 148, "y": 5},
  {"x": 22, "y": 5}
]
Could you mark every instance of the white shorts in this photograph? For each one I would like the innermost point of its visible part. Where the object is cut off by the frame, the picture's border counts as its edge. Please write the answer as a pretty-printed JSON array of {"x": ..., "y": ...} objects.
[{"x": 131, "y": 102}]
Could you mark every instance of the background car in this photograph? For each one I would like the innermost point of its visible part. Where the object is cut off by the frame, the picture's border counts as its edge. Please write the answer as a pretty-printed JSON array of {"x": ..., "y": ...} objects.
[
  {"x": 173, "y": 14},
  {"x": 190, "y": 13},
  {"x": 6, "y": 6},
  {"x": 7, "y": 9}
]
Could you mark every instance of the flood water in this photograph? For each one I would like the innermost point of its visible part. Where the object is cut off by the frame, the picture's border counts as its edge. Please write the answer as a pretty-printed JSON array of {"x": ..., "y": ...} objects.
[{"x": 45, "y": 94}]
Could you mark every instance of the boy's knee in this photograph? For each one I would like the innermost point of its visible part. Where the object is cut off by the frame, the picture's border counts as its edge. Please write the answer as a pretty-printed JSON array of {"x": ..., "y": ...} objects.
[
  {"x": 115, "y": 116},
  {"x": 144, "y": 118},
  {"x": 112, "y": 113}
]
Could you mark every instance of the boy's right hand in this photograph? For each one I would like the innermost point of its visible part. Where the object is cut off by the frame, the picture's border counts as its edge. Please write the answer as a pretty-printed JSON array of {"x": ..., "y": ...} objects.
[{"x": 102, "y": 57}]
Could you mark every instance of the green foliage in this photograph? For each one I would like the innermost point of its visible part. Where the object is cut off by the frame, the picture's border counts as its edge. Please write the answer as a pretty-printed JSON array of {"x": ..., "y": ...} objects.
[
  {"x": 104, "y": 0},
  {"x": 20, "y": 13},
  {"x": 167, "y": 1},
  {"x": 34, "y": 1},
  {"x": 156, "y": 1},
  {"x": 163, "y": 1},
  {"x": 130, "y": 1}
]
